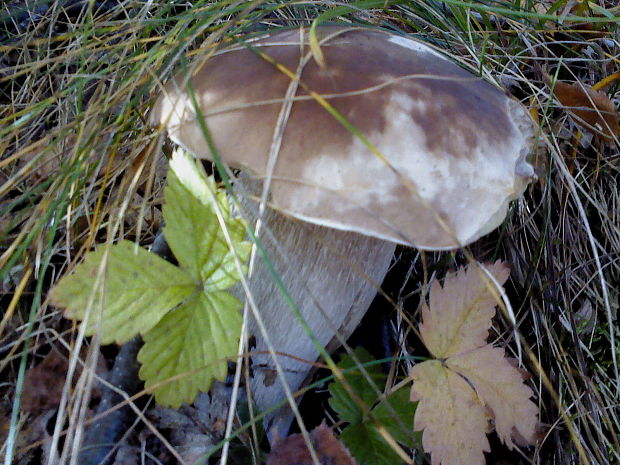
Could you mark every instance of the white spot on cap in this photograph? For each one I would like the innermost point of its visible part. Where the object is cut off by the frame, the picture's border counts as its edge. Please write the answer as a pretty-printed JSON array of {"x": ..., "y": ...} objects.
[
  {"x": 174, "y": 110},
  {"x": 404, "y": 145},
  {"x": 414, "y": 45}
]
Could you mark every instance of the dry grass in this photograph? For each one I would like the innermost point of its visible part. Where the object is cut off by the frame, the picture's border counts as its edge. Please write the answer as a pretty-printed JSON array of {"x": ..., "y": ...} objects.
[{"x": 80, "y": 166}]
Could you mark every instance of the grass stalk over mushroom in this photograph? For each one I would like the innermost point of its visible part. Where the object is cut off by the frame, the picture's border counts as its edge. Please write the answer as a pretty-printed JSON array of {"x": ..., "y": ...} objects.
[{"x": 79, "y": 166}]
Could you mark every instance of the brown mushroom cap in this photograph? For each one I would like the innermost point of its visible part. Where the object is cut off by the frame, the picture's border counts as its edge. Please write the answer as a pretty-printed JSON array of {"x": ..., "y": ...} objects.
[{"x": 454, "y": 146}]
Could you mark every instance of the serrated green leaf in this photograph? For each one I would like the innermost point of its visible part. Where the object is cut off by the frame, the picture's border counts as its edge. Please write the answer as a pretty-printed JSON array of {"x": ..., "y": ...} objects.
[
  {"x": 192, "y": 228},
  {"x": 195, "y": 339},
  {"x": 341, "y": 401},
  {"x": 395, "y": 413},
  {"x": 226, "y": 273},
  {"x": 366, "y": 443},
  {"x": 138, "y": 289},
  {"x": 398, "y": 420},
  {"x": 367, "y": 446}
]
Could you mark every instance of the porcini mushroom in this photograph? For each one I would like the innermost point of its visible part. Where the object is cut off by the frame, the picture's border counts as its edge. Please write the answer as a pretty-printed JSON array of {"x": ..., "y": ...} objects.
[{"x": 386, "y": 142}]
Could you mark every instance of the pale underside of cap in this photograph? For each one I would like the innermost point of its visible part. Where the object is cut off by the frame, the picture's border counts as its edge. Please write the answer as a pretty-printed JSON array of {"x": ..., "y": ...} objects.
[{"x": 450, "y": 147}]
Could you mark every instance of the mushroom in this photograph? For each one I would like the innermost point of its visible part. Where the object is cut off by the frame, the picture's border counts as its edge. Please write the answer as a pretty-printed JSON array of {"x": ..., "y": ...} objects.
[{"x": 385, "y": 142}]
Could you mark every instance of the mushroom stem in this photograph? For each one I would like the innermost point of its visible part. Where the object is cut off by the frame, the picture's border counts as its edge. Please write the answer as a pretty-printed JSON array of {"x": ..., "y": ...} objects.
[{"x": 332, "y": 276}]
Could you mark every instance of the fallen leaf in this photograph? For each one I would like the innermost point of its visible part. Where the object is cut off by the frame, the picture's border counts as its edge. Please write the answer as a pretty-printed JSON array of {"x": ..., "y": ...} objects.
[
  {"x": 461, "y": 311},
  {"x": 452, "y": 417},
  {"x": 591, "y": 109},
  {"x": 46, "y": 156},
  {"x": 471, "y": 382},
  {"x": 44, "y": 382},
  {"x": 501, "y": 387},
  {"x": 294, "y": 451}
]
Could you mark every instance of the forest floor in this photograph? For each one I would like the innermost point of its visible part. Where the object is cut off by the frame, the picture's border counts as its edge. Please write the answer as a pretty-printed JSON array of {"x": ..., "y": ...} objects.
[{"x": 80, "y": 166}]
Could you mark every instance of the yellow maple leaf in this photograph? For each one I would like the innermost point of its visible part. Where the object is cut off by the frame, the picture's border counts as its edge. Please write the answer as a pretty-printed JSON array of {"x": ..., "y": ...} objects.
[
  {"x": 472, "y": 382},
  {"x": 461, "y": 311},
  {"x": 449, "y": 412}
]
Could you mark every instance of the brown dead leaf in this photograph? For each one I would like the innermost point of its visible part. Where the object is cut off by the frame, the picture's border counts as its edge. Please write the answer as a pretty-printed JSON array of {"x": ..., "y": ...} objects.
[
  {"x": 294, "y": 451},
  {"x": 45, "y": 157},
  {"x": 462, "y": 311},
  {"x": 591, "y": 109},
  {"x": 452, "y": 417},
  {"x": 472, "y": 382},
  {"x": 500, "y": 385},
  {"x": 43, "y": 383}
]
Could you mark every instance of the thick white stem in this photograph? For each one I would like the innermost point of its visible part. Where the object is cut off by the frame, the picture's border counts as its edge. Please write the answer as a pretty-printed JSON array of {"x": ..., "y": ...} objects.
[{"x": 332, "y": 276}]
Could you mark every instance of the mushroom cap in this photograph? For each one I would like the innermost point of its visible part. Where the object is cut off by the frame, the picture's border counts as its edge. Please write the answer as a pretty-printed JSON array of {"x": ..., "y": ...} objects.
[{"x": 450, "y": 147}]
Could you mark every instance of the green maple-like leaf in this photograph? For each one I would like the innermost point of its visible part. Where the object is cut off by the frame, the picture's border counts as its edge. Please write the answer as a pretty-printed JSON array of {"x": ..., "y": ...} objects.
[
  {"x": 394, "y": 413},
  {"x": 341, "y": 401},
  {"x": 189, "y": 323},
  {"x": 192, "y": 229},
  {"x": 368, "y": 446},
  {"x": 195, "y": 341},
  {"x": 135, "y": 291}
]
